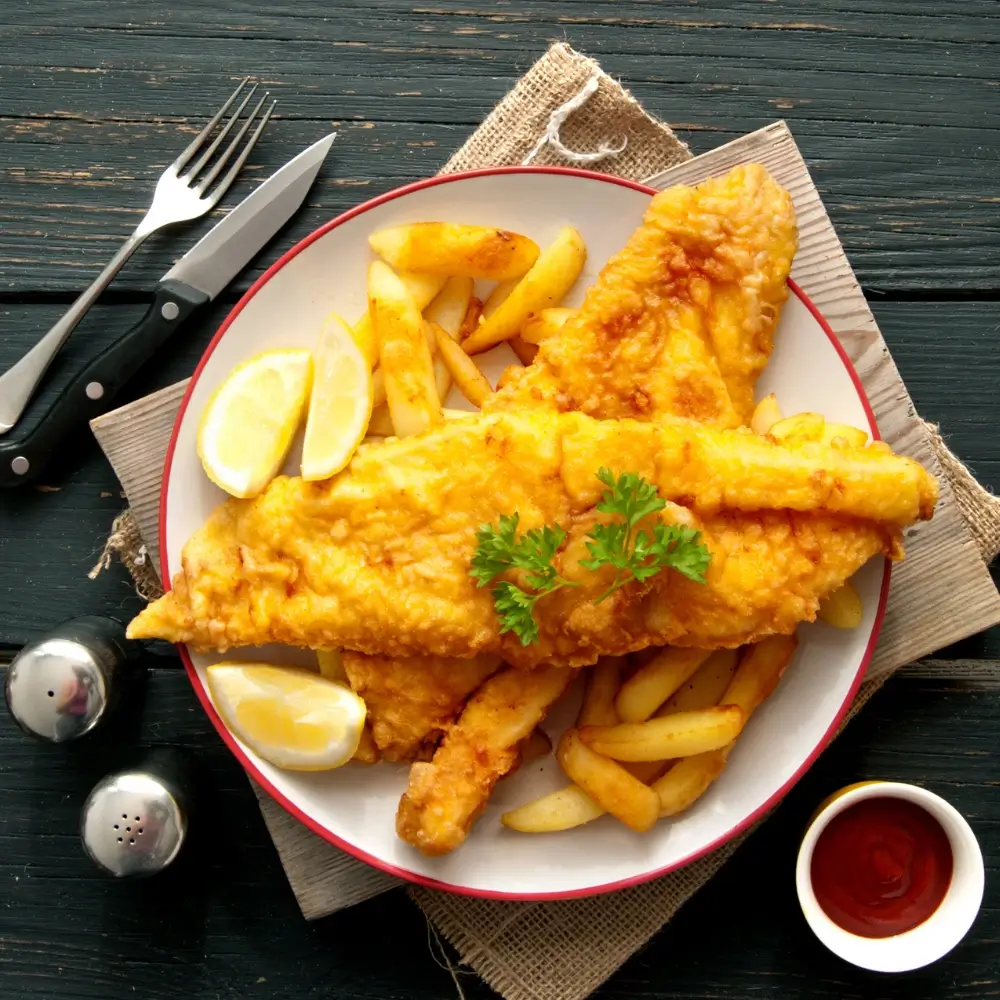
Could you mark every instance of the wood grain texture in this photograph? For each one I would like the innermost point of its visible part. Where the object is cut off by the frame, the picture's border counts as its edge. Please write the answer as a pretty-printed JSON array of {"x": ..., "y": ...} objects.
[
  {"x": 224, "y": 924},
  {"x": 98, "y": 99}
]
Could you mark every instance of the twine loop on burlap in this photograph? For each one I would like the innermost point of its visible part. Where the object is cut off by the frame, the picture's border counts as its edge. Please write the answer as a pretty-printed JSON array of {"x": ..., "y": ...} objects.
[{"x": 558, "y": 118}]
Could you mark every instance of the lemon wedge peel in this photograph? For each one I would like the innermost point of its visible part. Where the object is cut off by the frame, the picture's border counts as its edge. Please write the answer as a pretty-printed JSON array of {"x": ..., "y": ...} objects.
[
  {"x": 291, "y": 718},
  {"x": 250, "y": 422}
]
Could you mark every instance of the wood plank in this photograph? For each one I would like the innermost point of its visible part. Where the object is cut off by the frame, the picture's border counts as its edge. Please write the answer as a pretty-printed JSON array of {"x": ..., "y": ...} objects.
[
  {"x": 95, "y": 102},
  {"x": 224, "y": 923}
]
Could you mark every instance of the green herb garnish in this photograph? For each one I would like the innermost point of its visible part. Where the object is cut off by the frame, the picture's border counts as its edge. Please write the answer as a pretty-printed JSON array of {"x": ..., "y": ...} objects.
[{"x": 631, "y": 550}]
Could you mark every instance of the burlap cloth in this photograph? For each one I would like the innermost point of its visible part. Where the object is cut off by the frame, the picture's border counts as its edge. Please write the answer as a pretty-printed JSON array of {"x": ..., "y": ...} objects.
[{"x": 543, "y": 950}]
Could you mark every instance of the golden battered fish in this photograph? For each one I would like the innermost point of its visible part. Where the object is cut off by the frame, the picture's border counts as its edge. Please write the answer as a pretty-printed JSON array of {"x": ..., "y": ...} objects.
[
  {"x": 680, "y": 322},
  {"x": 377, "y": 558}
]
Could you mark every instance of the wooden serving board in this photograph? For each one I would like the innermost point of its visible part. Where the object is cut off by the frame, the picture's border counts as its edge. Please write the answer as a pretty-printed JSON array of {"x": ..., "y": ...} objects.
[{"x": 941, "y": 593}]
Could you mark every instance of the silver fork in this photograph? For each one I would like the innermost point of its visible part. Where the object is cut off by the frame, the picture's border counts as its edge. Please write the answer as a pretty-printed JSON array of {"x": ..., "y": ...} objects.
[{"x": 182, "y": 193}]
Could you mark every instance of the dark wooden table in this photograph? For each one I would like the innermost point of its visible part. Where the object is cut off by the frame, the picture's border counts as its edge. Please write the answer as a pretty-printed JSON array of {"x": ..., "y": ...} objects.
[{"x": 896, "y": 105}]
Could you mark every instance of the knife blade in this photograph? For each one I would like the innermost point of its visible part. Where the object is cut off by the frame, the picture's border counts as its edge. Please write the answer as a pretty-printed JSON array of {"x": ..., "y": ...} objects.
[{"x": 191, "y": 283}]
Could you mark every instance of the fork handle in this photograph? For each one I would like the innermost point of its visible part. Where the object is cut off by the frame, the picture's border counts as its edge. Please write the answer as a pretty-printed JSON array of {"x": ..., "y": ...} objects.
[{"x": 18, "y": 383}]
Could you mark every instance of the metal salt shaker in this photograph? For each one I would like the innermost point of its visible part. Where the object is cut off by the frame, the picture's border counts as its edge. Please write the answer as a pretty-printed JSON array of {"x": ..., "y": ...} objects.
[
  {"x": 135, "y": 822},
  {"x": 62, "y": 686}
]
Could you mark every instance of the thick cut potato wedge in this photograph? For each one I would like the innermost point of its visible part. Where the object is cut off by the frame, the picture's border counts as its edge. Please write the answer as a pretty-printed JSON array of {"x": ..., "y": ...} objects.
[
  {"x": 562, "y": 809},
  {"x": 844, "y": 436},
  {"x": 598, "y": 708},
  {"x": 405, "y": 357},
  {"x": 455, "y": 250},
  {"x": 422, "y": 288},
  {"x": 655, "y": 681},
  {"x": 542, "y": 325},
  {"x": 688, "y": 780},
  {"x": 765, "y": 415},
  {"x": 706, "y": 686},
  {"x": 798, "y": 429},
  {"x": 842, "y": 607},
  {"x": 544, "y": 286},
  {"x": 759, "y": 671},
  {"x": 450, "y": 306},
  {"x": 682, "y": 734},
  {"x": 608, "y": 783}
]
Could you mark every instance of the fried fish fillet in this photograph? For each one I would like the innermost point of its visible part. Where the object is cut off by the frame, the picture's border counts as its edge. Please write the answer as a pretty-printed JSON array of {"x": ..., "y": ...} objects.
[
  {"x": 377, "y": 558},
  {"x": 445, "y": 797},
  {"x": 412, "y": 700},
  {"x": 679, "y": 323}
]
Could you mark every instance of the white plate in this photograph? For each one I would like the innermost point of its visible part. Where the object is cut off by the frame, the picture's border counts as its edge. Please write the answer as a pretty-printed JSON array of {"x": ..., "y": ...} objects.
[{"x": 355, "y": 806}]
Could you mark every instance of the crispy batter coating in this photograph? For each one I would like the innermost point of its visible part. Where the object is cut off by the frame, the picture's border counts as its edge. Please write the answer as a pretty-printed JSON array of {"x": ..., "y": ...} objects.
[
  {"x": 412, "y": 700},
  {"x": 680, "y": 322},
  {"x": 445, "y": 797},
  {"x": 377, "y": 558}
]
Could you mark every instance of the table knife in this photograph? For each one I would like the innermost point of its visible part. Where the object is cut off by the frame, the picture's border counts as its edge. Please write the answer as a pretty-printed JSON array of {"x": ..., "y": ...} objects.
[{"x": 191, "y": 283}]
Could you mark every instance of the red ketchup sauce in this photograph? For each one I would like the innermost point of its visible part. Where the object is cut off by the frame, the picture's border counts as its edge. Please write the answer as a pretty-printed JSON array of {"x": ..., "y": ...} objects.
[{"x": 881, "y": 867}]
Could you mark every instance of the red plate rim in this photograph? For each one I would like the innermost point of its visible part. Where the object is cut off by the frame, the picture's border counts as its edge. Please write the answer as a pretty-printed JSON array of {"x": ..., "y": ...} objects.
[{"x": 294, "y": 810}]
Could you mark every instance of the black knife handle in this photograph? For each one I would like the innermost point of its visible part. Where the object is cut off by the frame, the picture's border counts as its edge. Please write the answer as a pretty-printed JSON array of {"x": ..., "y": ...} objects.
[{"x": 90, "y": 392}]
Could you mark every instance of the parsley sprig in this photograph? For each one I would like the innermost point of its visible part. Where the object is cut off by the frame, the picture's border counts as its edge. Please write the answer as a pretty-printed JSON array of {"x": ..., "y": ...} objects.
[
  {"x": 634, "y": 553},
  {"x": 499, "y": 550}
]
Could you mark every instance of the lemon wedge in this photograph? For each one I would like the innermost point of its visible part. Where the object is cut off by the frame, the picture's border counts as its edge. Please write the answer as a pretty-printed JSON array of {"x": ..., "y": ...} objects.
[
  {"x": 341, "y": 402},
  {"x": 292, "y": 718},
  {"x": 248, "y": 425}
]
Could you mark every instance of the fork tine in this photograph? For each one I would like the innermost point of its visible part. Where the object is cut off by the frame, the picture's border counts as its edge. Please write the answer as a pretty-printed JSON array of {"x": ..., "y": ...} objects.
[
  {"x": 190, "y": 175},
  {"x": 242, "y": 158},
  {"x": 196, "y": 142}
]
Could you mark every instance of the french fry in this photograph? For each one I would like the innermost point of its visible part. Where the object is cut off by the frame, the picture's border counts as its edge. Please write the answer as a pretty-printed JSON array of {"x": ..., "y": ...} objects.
[
  {"x": 405, "y": 358},
  {"x": 682, "y": 734},
  {"x": 555, "y": 271},
  {"x": 842, "y": 607},
  {"x": 647, "y": 771},
  {"x": 525, "y": 352},
  {"x": 706, "y": 686},
  {"x": 598, "y": 708},
  {"x": 755, "y": 678},
  {"x": 471, "y": 382},
  {"x": 452, "y": 249},
  {"x": 797, "y": 429},
  {"x": 688, "y": 780},
  {"x": 367, "y": 752},
  {"x": 608, "y": 783},
  {"x": 450, "y": 306},
  {"x": 536, "y": 745},
  {"x": 765, "y": 415},
  {"x": 471, "y": 319},
  {"x": 380, "y": 423},
  {"x": 378, "y": 387},
  {"x": 759, "y": 671},
  {"x": 543, "y": 325},
  {"x": 499, "y": 296},
  {"x": 422, "y": 288},
  {"x": 844, "y": 436},
  {"x": 331, "y": 665},
  {"x": 560, "y": 810},
  {"x": 654, "y": 682}
]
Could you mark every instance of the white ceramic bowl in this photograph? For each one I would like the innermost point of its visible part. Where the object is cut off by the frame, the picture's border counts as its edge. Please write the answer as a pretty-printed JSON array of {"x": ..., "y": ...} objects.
[
  {"x": 943, "y": 929},
  {"x": 355, "y": 807}
]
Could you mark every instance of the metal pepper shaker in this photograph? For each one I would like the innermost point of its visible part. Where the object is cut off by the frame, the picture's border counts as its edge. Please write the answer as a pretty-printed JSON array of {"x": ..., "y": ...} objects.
[
  {"x": 135, "y": 822},
  {"x": 63, "y": 685}
]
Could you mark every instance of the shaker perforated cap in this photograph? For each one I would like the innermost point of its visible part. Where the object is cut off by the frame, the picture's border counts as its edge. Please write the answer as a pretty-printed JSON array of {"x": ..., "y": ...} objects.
[{"x": 135, "y": 822}]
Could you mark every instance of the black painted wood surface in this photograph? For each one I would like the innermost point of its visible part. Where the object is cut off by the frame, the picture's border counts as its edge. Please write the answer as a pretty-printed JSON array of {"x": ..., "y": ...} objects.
[{"x": 896, "y": 105}]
